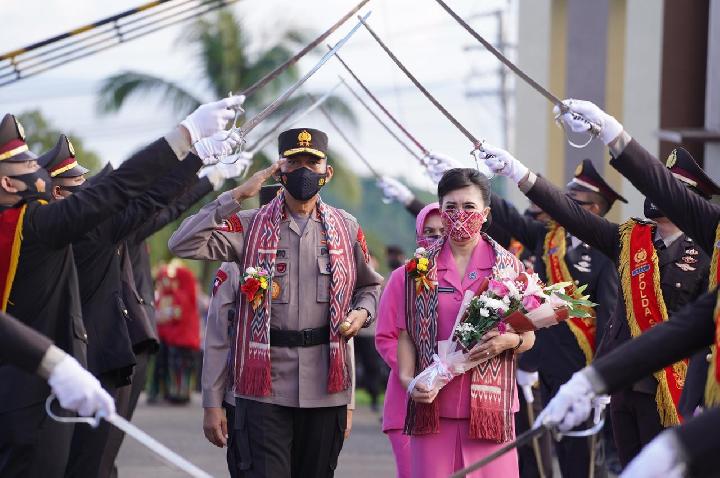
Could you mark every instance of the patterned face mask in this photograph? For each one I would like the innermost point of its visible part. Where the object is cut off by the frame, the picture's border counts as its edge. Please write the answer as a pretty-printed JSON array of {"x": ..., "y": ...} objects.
[{"x": 461, "y": 225}]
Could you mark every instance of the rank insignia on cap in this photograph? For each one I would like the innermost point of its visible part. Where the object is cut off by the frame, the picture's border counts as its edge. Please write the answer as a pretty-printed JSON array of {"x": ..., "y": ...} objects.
[
  {"x": 60, "y": 161},
  {"x": 304, "y": 139},
  {"x": 685, "y": 169},
  {"x": 579, "y": 169},
  {"x": 71, "y": 148},
  {"x": 587, "y": 178},
  {"x": 672, "y": 159},
  {"x": 12, "y": 141},
  {"x": 21, "y": 130}
]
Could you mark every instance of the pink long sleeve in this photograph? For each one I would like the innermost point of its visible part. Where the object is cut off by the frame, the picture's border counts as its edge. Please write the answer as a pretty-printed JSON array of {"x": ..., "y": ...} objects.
[{"x": 391, "y": 313}]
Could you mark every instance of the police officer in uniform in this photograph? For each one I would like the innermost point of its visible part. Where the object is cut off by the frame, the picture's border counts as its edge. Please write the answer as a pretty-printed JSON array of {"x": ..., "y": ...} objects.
[
  {"x": 688, "y": 450},
  {"x": 293, "y": 384},
  {"x": 558, "y": 353},
  {"x": 40, "y": 285},
  {"x": 660, "y": 270}
]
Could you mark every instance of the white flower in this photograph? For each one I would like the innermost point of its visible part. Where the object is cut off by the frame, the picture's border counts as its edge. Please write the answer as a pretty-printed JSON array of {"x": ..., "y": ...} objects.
[
  {"x": 484, "y": 312},
  {"x": 514, "y": 291},
  {"x": 494, "y": 304},
  {"x": 251, "y": 271},
  {"x": 420, "y": 251},
  {"x": 506, "y": 300}
]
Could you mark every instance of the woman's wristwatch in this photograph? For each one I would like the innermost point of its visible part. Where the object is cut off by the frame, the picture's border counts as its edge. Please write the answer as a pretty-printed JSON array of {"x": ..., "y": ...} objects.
[{"x": 520, "y": 342}]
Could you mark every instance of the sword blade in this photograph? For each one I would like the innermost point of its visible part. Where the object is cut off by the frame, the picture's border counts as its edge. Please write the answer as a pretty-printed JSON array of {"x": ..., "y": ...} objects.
[
  {"x": 269, "y": 109},
  {"x": 347, "y": 140},
  {"x": 156, "y": 447},
  {"x": 519, "y": 441},
  {"x": 417, "y": 143},
  {"x": 424, "y": 91},
  {"x": 266, "y": 135},
  {"x": 382, "y": 123},
  {"x": 277, "y": 71},
  {"x": 503, "y": 59}
]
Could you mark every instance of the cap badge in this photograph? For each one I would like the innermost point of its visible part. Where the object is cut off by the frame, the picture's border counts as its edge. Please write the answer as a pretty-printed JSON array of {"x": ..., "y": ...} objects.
[
  {"x": 672, "y": 159},
  {"x": 640, "y": 255},
  {"x": 20, "y": 129},
  {"x": 304, "y": 139},
  {"x": 71, "y": 147},
  {"x": 579, "y": 169}
]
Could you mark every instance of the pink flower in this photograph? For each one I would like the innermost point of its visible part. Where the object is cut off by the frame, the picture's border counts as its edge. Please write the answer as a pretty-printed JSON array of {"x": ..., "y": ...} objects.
[
  {"x": 531, "y": 302},
  {"x": 498, "y": 288},
  {"x": 502, "y": 328}
]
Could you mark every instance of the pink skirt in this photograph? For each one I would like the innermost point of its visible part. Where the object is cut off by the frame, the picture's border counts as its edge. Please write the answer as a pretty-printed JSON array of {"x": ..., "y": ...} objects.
[{"x": 439, "y": 455}]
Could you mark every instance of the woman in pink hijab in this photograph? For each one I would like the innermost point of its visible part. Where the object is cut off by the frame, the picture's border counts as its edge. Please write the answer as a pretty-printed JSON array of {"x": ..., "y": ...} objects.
[{"x": 428, "y": 228}]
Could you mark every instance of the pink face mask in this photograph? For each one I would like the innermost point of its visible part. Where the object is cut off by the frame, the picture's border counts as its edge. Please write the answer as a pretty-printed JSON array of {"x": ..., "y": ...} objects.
[
  {"x": 461, "y": 225},
  {"x": 427, "y": 241}
]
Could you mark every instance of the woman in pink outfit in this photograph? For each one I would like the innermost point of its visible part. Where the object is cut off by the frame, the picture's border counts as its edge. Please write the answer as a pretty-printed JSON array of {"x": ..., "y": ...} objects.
[
  {"x": 472, "y": 416},
  {"x": 428, "y": 228}
]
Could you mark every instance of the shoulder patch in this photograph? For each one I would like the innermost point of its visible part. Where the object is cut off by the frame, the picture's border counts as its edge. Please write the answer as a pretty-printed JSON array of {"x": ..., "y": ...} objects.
[
  {"x": 220, "y": 277},
  {"x": 363, "y": 244},
  {"x": 231, "y": 224}
]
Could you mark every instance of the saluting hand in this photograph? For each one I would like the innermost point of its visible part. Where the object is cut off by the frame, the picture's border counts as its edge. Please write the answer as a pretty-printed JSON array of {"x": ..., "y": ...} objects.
[{"x": 251, "y": 187}]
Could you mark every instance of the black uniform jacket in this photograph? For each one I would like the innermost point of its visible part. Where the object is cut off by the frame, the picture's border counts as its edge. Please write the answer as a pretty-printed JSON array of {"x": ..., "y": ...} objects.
[
  {"x": 98, "y": 257},
  {"x": 691, "y": 329},
  {"x": 697, "y": 217},
  {"x": 45, "y": 293},
  {"x": 20, "y": 345},
  {"x": 680, "y": 285},
  {"x": 556, "y": 352},
  {"x": 138, "y": 287}
]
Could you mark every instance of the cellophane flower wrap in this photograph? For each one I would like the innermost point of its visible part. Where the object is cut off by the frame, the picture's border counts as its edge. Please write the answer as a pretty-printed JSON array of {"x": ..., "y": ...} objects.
[{"x": 507, "y": 302}]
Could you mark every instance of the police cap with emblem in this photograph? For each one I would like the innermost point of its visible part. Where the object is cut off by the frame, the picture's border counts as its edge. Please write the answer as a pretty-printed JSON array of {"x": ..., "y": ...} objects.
[
  {"x": 682, "y": 165},
  {"x": 60, "y": 161},
  {"x": 13, "y": 147},
  {"x": 588, "y": 179},
  {"x": 303, "y": 140}
]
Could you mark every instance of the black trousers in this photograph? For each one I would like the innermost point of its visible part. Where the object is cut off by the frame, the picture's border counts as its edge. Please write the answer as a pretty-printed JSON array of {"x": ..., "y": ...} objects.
[
  {"x": 33, "y": 445},
  {"x": 287, "y": 442},
  {"x": 126, "y": 400},
  {"x": 234, "y": 451},
  {"x": 635, "y": 422}
]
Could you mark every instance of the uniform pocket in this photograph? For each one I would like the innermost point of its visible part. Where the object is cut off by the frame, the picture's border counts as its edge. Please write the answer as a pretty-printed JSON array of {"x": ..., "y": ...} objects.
[
  {"x": 323, "y": 279},
  {"x": 279, "y": 287},
  {"x": 122, "y": 308}
]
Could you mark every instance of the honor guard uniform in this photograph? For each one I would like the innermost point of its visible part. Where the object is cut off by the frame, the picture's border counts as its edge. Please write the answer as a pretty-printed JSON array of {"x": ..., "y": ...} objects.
[
  {"x": 561, "y": 351},
  {"x": 658, "y": 275},
  {"x": 40, "y": 281},
  {"x": 686, "y": 204},
  {"x": 292, "y": 369},
  {"x": 98, "y": 256}
]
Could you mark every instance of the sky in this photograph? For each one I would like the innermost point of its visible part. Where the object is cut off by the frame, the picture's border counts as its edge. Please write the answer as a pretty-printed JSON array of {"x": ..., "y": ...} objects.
[{"x": 422, "y": 35}]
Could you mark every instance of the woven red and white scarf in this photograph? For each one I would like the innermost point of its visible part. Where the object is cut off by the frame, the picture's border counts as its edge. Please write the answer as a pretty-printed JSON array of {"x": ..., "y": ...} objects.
[
  {"x": 492, "y": 388},
  {"x": 252, "y": 358}
]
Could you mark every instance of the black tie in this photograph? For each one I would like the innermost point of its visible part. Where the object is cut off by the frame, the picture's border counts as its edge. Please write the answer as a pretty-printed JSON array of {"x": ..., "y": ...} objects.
[{"x": 659, "y": 245}]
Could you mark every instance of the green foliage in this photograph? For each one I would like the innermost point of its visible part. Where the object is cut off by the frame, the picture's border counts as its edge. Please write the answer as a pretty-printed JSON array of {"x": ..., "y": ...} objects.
[{"x": 41, "y": 136}]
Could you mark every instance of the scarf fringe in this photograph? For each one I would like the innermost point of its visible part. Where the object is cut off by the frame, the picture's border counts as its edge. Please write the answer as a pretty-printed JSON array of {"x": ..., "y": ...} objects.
[
  {"x": 426, "y": 419},
  {"x": 488, "y": 424},
  {"x": 256, "y": 380},
  {"x": 337, "y": 374}
]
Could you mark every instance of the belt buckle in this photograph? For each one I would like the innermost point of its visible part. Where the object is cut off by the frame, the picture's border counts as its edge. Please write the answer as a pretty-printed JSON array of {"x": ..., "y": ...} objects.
[{"x": 307, "y": 335}]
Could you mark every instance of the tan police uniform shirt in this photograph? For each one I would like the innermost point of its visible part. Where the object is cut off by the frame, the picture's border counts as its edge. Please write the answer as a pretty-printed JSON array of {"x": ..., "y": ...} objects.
[{"x": 302, "y": 272}]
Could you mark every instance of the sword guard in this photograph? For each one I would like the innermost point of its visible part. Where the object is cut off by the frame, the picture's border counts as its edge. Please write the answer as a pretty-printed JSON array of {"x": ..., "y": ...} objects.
[{"x": 92, "y": 421}]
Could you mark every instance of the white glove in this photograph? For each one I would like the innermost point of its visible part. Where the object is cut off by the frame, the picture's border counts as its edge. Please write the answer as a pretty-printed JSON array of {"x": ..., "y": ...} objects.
[
  {"x": 526, "y": 380},
  {"x": 394, "y": 190},
  {"x": 503, "y": 163},
  {"x": 438, "y": 163},
  {"x": 610, "y": 128},
  {"x": 210, "y": 118},
  {"x": 659, "y": 459},
  {"x": 571, "y": 406},
  {"x": 218, "y": 173},
  {"x": 76, "y": 389},
  {"x": 219, "y": 144}
]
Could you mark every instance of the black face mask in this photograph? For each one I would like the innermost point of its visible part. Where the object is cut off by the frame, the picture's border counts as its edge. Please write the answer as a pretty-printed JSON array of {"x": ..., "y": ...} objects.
[
  {"x": 651, "y": 211},
  {"x": 303, "y": 184},
  {"x": 38, "y": 185},
  {"x": 76, "y": 188}
]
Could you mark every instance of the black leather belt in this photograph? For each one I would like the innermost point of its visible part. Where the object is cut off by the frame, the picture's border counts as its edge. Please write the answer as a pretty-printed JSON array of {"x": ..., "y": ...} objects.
[{"x": 300, "y": 338}]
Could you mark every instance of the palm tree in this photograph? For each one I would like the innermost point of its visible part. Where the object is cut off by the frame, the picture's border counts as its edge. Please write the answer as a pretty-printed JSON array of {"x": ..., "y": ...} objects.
[{"x": 228, "y": 65}]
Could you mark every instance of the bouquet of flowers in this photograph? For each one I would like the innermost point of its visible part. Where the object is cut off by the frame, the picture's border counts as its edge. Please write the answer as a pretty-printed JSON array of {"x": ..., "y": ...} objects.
[
  {"x": 418, "y": 267},
  {"x": 508, "y": 300},
  {"x": 255, "y": 285}
]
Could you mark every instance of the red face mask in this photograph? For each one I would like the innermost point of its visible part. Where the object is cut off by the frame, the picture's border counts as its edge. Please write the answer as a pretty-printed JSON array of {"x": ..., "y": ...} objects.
[{"x": 461, "y": 225}]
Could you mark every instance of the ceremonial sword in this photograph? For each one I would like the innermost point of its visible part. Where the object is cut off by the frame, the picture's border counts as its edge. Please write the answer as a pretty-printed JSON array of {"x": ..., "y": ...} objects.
[
  {"x": 593, "y": 129},
  {"x": 276, "y": 72},
  {"x": 269, "y": 109},
  {"x": 382, "y": 123},
  {"x": 347, "y": 140},
  {"x": 412, "y": 138},
  {"x": 131, "y": 430},
  {"x": 476, "y": 143}
]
